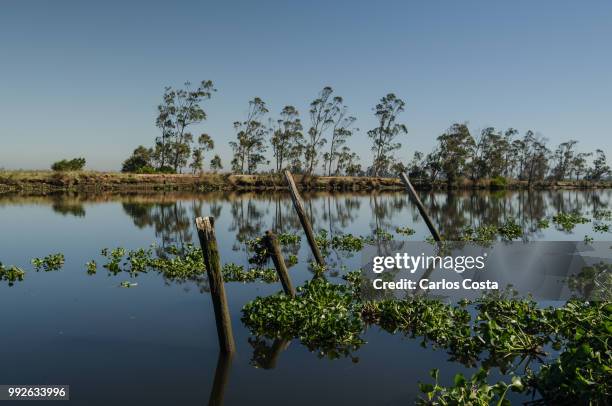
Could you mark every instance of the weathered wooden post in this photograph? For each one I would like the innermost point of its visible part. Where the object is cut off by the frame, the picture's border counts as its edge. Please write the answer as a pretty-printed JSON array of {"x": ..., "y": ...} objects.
[
  {"x": 210, "y": 252},
  {"x": 419, "y": 205},
  {"x": 273, "y": 248},
  {"x": 301, "y": 212}
]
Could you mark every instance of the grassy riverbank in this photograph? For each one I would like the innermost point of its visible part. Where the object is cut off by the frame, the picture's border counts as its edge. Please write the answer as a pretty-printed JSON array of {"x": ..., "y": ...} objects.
[{"x": 49, "y": 181}]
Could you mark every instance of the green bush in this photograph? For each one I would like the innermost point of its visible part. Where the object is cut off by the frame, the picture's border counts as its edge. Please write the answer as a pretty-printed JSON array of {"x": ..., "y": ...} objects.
[
  {"x": 498, "y": 182},
  {"x": 65, "y": 165}
]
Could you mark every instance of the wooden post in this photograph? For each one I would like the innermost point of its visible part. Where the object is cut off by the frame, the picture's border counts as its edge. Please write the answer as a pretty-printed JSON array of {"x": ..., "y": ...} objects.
[
  {"x": 273, "y": 248},
  {"x": 417, "y": 201},
  {"x": 301, "y": 212},
  {"x": 210, "y": 252}
]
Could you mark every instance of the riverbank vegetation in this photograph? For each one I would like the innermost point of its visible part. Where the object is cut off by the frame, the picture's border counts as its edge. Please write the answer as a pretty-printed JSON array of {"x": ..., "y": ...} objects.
[
  {"x": 322, "y": 145},
  {"x": 41, "y": 182}
]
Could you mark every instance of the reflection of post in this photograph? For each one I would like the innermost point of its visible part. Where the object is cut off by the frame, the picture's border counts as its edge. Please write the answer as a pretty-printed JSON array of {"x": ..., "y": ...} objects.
[
  {"x": 301, "y": 212},
  {"x": 278, "y": 346},
  {"x": 210, "y": 252},
  {"x": 273, "y": 248},
  {"x": 217, "y": 393},
  {"x": 419, "y": 205}
]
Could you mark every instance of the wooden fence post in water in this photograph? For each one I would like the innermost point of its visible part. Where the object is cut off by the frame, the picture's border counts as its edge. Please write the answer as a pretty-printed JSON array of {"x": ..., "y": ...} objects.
[
  {"x": 301, "y": 212},
  {"x": 210, "y": 252},
  {"x": 273, "y": 248},
  {"x": 417, "y": 201}
]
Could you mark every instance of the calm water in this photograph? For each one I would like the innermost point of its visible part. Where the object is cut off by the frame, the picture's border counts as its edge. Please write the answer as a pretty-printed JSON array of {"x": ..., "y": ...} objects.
[{"x": 156, "y": 344}]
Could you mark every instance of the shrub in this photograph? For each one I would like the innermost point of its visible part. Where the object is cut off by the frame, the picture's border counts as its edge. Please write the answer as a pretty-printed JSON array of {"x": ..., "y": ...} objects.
[
  {"x": 498, "y": 182},
  {"x": 65, "y": 165},
  {"x": 139, "y": 162}
]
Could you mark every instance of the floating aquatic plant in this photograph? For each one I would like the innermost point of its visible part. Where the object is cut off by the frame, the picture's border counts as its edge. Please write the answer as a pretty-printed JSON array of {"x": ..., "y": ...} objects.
[
  {"x": 543, "y": 223},
  {"x": 177, "y": 265},
  {"x": 11, "y": 274},
  {"x": 323, "y": 315},
  {"x": 567, "y": 221},
  {"x": 407, "y": 231},
  {"x": 91, "y": 267},
  {"x": 474, "y": 391},
  {"x": 52, "y": 262},
  {"x": 128, "y": 284}
]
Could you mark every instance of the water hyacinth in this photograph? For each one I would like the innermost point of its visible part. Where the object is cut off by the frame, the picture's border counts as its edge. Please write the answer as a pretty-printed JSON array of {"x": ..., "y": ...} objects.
[
  {"x": 11, "y": 274},
  {"x": 567, "y": 221},
  {"x": 52, "y": 262}
]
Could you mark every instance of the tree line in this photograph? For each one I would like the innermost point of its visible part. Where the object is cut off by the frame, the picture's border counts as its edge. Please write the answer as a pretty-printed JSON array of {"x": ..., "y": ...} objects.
[{"x": 321, "y": 145}]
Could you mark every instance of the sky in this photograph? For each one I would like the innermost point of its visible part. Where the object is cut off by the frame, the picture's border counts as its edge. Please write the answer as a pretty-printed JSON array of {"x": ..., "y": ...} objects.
[{"x": 83, "y": 78}]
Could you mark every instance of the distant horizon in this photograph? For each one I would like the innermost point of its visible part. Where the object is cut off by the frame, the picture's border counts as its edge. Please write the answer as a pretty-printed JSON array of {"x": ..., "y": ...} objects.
[{"x": 85, "y": 79}]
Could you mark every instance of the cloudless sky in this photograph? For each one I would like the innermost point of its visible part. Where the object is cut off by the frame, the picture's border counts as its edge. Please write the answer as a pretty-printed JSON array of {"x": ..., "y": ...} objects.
[{"x": 83, "y": 78}]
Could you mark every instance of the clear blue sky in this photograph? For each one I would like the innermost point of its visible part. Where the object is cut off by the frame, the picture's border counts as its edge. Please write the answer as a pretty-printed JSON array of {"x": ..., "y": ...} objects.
[{"x": 83, "y": 78}]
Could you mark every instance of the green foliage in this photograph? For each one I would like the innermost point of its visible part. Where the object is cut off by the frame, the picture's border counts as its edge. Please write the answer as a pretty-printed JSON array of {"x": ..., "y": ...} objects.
[
  {"x": 180, "y": 109},
  {"x": 510, "y": 230},
  {"x": 91, "y": 267},
  {"x": 601, "y": 228},
  {"x": 53, "y": 262},
  {"x": 407, "y": 231},
  {"x": 139, "y": 162},
  {"x": 498, "y": 182},
  {"x": 236, "y": 273},
  {"x": 567, "y": 221},
  {"x": 11, "y": 274},
  {"x": 485, "y": 234},
  {"x": 581, "y": 374},
  {"x": 347, "y": 242},
  {"x": 174, "y": 264},
  {"x": 64, "y": 165},
  {"x": 474, "y": 391},
  {"x": 543, "y": 224},
  {"x": 323, "y": 316}
]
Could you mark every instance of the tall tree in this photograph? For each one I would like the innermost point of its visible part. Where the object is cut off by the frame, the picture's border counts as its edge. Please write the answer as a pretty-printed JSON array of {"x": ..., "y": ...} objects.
[
  {"x": 180, "y": 109},
  {"x": 323, "y": 113},
  {"x": 600, "y": 167},
  {"x": 215, "y": 164},
  {"x": 456, "y": 147},
  {"x": 205, "y": 143},
  {"x": 536, "y": 156},
  {"x": 384, "y": 136},
  {"x": 287, "y": 139},
  {"x": 341, "y": 130},
  {"x": 564, "y": 156},
  {"x": 250, "y": 139},
  {"x": 491, "y": 153}
]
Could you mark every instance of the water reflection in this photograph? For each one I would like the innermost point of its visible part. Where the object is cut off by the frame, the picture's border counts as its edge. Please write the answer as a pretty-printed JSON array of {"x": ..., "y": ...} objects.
[{"x": 171, "y": 215}]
